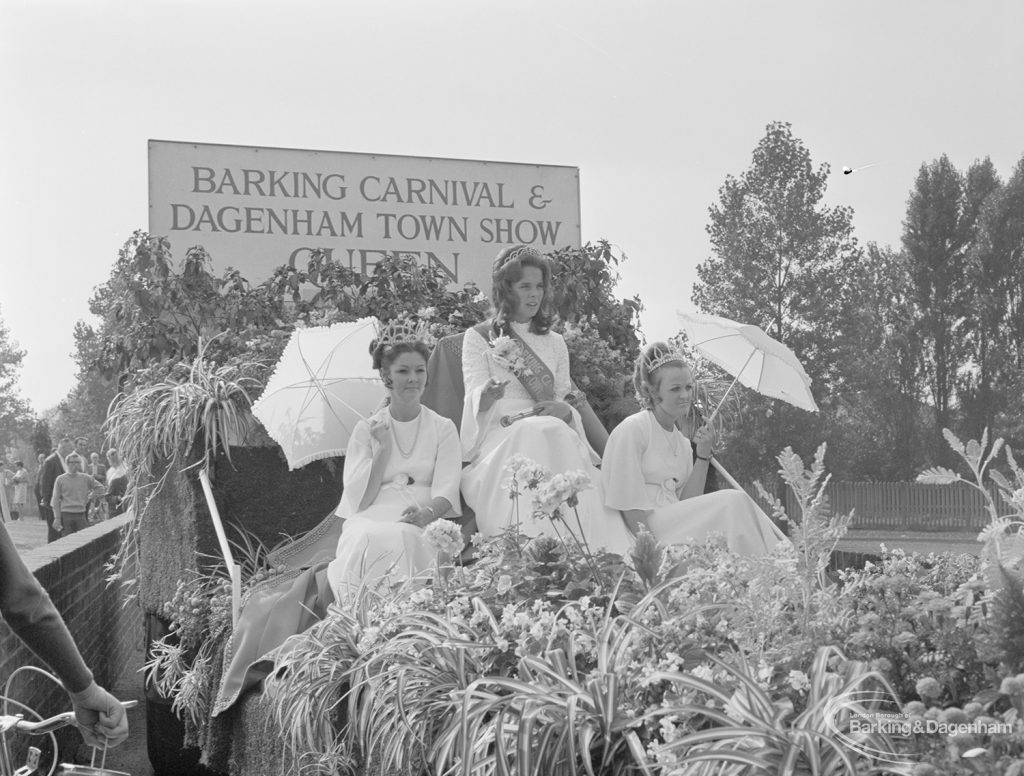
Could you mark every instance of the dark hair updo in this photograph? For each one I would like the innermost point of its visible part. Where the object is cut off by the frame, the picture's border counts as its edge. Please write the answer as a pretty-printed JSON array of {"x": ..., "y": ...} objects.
[
  {"x": 386, "y": 353},
  {"x": 648, "y": 363},
  {"x": 508, "y": 270}
]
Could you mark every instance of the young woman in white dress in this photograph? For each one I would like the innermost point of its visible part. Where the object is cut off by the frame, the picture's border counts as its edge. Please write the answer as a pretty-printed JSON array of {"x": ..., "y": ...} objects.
[
  {"x": 402, "y": 472},
  {"x": 655, "y": 480},
  {"x": 513, "y": 365}
]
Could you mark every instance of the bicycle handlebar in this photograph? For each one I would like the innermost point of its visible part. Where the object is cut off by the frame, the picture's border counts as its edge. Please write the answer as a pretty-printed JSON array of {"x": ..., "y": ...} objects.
[{"x": 44, "y": 726}]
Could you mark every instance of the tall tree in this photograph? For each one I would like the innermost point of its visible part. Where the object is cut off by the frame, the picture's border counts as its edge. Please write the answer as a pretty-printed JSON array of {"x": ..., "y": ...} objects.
[
  {"x": 988, "y": 271},
  {"x": 879, "y": 420},
  {"x": 941, "y": 223},
  {"x": 785, "y": 261},
  {"x": 782, "y": 259}
]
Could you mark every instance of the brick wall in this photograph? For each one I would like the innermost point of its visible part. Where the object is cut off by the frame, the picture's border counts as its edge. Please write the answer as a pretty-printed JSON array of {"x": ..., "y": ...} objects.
[{"x": 73, "y": 572}]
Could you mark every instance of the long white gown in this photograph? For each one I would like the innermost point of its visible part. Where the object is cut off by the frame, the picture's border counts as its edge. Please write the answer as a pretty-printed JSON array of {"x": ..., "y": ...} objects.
[
  {"x": 549, "y": 441},
  {"x": 374, "y": 543},
  {"x": 644, "y": 468}
]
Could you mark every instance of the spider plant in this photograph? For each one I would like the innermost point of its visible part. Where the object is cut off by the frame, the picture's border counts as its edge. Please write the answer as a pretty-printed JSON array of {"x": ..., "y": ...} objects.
[
  {"x": 405, "y": 690},
  {"x": 156, "y": 428},
  {"x": 747, "y": 733},
  {"x": 158, "y": 424},
  {"x": 554, "y": 717},
  {"x": 307, "y": 691}
]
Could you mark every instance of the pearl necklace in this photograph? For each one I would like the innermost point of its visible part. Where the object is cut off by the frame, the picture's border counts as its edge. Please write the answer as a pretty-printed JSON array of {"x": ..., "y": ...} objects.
[{"x": 415, "y": 439}]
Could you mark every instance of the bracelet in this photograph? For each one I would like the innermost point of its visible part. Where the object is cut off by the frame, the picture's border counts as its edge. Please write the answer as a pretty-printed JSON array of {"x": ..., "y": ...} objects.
[{"x": 702, "y": 458}]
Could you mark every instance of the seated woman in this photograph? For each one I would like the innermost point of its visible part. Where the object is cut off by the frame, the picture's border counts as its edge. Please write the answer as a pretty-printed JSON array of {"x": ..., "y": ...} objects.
[
  {"x": 655, "y": 480},
  {"x": 518, "y": 401},
  {"x": 402, "y": 471}
]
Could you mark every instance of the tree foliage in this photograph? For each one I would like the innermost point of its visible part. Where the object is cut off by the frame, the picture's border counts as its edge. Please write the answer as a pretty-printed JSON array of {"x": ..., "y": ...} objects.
[
  {"x": 786, "y": 262},
  {"x": 940, "y": 225},
  {"x": 153, "y": 315},
  {"x": 782, "y": 259},
  {"x": 15, "y": 413}
]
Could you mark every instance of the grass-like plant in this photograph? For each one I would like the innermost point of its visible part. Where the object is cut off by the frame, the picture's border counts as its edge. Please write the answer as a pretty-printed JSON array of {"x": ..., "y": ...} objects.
[
  {"x": 743, "y": 731},
  {"x": 551, "y": 717},
  {"x": 157, "y": 425}
]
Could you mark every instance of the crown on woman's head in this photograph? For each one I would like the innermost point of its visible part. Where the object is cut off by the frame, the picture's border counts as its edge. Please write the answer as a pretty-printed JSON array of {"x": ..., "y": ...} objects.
[
  {"x": 519, "y": 253},
  {"x": 403, "y": 330},
  {"x": 664, "y": 356}
]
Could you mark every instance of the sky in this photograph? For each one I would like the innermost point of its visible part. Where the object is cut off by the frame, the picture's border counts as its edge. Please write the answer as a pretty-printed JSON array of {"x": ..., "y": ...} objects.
[{"x": 654, "y": 102}]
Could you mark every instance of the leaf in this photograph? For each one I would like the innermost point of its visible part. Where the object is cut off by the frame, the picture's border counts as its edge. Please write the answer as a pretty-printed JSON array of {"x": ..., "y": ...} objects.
[
  {"x": 954, "y": 441},
  {"x": 939, "y": 475}
]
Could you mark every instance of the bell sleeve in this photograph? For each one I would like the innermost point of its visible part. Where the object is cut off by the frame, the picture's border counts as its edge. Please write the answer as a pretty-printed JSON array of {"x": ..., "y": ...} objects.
[
  {"x": 356, "y": 476},
  {"x": 622, "y": 467},
  {"x": 476, "y": 372},
  {"x": 448, "y": 466}
]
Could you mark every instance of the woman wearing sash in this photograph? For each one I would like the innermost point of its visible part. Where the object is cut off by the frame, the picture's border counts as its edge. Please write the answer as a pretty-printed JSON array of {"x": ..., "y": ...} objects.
[
  {"x": 518, "y": 402},
  {"x": 656, "y": 479}
]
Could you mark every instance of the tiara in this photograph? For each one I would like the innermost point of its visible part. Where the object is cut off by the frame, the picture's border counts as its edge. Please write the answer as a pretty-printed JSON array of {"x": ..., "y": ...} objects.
[
  {"x": 668, "y": 356},
  {"x": 403, "y": 330},
  {"x": 519, "y": 253}
]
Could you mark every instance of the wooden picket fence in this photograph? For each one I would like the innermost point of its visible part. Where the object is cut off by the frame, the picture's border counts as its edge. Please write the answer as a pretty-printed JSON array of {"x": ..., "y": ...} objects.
[{"x": 907, "y": 506}]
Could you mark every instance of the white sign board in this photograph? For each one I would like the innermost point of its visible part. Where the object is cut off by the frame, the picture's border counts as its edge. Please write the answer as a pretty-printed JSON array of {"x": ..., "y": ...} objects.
[{"x": 256, "y": 209}]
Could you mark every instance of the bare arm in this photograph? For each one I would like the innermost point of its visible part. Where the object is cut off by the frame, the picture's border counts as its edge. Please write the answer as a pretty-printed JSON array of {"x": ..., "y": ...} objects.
[{"x": 704, "y": 439}]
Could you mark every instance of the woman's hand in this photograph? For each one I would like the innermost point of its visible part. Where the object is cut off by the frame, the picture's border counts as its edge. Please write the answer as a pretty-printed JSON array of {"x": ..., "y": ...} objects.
[
  {"x": 494, "y": 389},
  {"x": 421, "y": 517},
  {"x": 378, "y": 430},
  {"x": 556, "y": 409},
  {"x": 704, "y": 439}
]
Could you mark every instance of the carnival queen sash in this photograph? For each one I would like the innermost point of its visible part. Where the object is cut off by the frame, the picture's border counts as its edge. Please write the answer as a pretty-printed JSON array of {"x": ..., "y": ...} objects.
[{"x": 531, "y": 372}]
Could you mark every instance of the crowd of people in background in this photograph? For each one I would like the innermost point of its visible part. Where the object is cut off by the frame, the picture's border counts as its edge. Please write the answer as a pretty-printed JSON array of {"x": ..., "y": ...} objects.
[{"x": 72, "y": 487}]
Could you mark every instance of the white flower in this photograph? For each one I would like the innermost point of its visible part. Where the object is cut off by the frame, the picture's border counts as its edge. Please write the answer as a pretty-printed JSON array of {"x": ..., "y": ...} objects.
[
  {"x": 402, "y": 479},
  {"x": 704, "y": 672},
  {"x": 504, "y": 584},
  {"x": 444, "y": 536},
  {"x": 799, "y": 681},
  {"x": 560, "y": 489}
]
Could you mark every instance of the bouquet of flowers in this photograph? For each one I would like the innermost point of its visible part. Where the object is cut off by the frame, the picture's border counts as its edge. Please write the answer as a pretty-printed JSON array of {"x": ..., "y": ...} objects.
[{"x": 508, "y": 354}]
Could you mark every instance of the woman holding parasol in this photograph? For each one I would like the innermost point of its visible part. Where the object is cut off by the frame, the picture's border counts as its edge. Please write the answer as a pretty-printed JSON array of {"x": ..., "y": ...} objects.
[{"x": 655, "y": 481}]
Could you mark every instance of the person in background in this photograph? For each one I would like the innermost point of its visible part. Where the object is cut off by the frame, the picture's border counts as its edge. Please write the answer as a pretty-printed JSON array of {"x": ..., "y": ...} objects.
[
  {"x": 20, "y": 497},
  {"x": 71, "y": 493},
  {"x": 117, "y": 483},
  {"x": 53, "y": 467},
  {"x": 7, "y": 475},
  {"x": 95, "y": 469},
  {"x": 37, "y": 485},
  {"x": 31, "y": 615}
]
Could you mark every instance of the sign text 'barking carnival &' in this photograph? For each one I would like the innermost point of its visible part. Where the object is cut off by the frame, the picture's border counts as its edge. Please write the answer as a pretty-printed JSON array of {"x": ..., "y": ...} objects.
[{"x": 258, "y": 208}]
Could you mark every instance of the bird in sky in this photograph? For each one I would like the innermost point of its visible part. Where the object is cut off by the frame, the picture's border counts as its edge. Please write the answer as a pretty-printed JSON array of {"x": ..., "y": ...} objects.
[{"x": 851, "y": 170}]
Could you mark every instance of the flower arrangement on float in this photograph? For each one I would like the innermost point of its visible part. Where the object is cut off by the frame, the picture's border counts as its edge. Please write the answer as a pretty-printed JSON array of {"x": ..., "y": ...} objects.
[{"x": 548, "y": 656}]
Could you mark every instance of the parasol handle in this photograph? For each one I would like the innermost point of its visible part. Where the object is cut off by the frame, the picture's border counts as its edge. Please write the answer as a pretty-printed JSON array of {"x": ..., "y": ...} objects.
[{"x": 724, "y": 395}]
